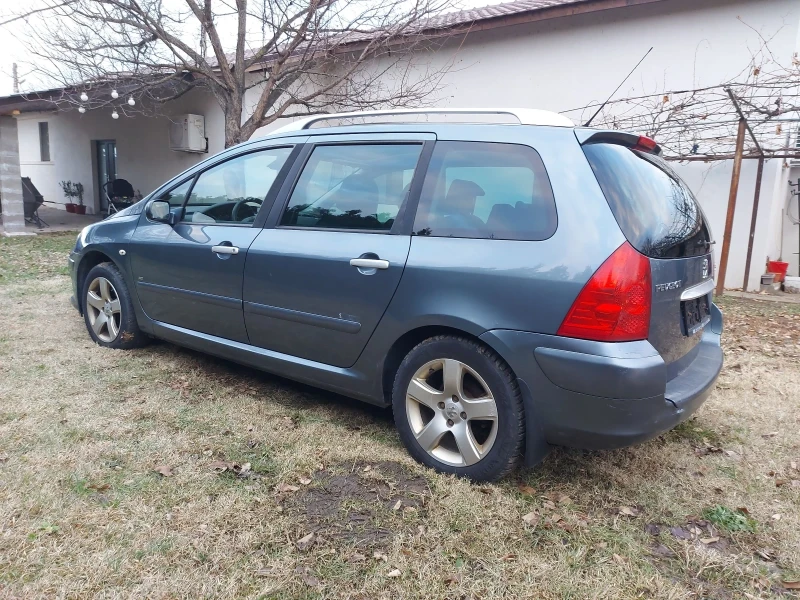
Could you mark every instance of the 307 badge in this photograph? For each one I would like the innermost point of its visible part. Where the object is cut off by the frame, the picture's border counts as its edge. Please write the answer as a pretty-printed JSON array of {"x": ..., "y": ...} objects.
[{"x": 705, "y": 268}]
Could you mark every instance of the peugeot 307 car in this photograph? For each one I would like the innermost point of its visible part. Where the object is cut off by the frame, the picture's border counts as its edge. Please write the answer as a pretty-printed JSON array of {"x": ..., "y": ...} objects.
[{"x": 504, "y": 287}]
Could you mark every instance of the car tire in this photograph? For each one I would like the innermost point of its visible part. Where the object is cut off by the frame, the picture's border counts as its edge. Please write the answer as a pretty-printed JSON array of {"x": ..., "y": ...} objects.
[
  {"x": 108, "y": 309},
  {"x": 439, "y": 382}
]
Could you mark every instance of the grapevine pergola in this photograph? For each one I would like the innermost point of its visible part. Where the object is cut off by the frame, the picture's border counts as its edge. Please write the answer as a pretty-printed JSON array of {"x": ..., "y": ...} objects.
[{"x": 752, "y": 116}]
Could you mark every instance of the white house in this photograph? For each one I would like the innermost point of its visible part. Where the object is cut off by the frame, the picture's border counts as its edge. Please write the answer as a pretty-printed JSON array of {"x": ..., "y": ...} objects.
[{"x": 549, "y": 54}]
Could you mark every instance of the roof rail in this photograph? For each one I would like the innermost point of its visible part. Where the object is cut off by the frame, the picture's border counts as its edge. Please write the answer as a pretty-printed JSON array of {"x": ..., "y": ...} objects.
[{"x": 525, "y": 116}]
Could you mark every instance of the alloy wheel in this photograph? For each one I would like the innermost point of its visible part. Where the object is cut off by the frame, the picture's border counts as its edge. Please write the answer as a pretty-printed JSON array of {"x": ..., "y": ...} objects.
[
  {"x": 452, "y": 412},
  {"x": 104, "y": 308}
]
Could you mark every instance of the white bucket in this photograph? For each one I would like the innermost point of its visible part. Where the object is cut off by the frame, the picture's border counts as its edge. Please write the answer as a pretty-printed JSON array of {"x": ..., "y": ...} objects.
[{"x": 792, "y": 285}]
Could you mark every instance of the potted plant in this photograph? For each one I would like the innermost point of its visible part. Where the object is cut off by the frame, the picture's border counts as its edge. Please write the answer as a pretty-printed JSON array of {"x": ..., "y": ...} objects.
[
  {"x": 69, "y": 193},
  {"x": 79, "y": 208}
]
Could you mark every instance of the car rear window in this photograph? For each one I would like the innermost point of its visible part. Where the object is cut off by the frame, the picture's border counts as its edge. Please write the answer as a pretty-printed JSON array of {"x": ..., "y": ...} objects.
[
  {"x": 486, "y": 190},
  {"x": 656, "y": 211}
]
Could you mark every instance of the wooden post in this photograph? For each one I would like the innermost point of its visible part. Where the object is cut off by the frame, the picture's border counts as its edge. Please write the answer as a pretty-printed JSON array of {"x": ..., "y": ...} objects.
[
  {"x": 726, "y": 237},
  {"x": 756, "y": 198}
]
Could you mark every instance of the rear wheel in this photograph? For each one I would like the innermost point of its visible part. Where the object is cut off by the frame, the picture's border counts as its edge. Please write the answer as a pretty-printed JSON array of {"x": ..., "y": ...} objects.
[
  {"x": 458, "y": 408},
  {"x": 108, "y": 309}
]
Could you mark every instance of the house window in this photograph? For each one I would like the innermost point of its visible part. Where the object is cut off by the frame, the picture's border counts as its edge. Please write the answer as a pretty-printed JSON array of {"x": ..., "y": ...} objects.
[{"x": 44, "y": 141}]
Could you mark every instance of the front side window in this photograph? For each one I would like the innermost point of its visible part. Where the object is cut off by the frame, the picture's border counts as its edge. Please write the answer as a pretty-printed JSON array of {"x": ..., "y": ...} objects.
[
  {"x": 352, "y": 186},
  {"x": 486, "y": 190},
  {"x": 177, "y": 195},
  {"x": 232, "y": 192}
]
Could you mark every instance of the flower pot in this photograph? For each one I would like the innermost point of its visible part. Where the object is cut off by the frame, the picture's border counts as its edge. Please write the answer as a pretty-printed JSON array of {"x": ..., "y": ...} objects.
[
  {"x": 70, "y": 207},
  {"x": 80, "y": 209}
]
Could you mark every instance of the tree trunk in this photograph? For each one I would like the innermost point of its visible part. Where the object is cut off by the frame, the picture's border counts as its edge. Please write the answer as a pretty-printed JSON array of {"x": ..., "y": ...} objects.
[{"x": 233, "y": 124}]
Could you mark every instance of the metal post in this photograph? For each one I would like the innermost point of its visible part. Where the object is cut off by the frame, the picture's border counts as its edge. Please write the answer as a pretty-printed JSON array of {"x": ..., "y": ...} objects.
[
  {"x": 756, "y": 198},
  {"x": 726, "y": 238}
]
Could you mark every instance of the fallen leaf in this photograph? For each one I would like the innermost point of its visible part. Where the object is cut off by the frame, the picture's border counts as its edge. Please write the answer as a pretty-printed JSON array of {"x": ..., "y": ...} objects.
[
  {"x": 767, "y": 554},
  {"x": 629, "y": 511},
  {"x": 452, "y": 579},
  {"x": 555, "y": 518},
  {"x": 243, "y": 470},
  {"x": 409, "y": 509},
  {"x": 208, "y": 452},
  {"x": 652, "y": 529},
  {"x": 380, "y": 556},
  {"x": 355, "y": 557},
  {"x": 770, "y": 434},
  {"x": 549, "y": 505},
  {"x": 601, "y": 545},
  {"x": 164, "y": 470},
  {"x": 781, "y": 482},
  {"x": 509, "y": 557},
  {"x": 791, "y": 585},
  {"x": 531, "y": 519},
  {"x": 367, "y": 468},
  {"x": 283, "y": 488},
  {"x": 3, "y": 458},
  {"x": 743, "y": 510},
  {"x": 305, "y": 480},
  {"x": 709, "y": 540},
  {"x": 308, "y": 577},
  {"x": 662, "y": 550},
  {"x": 394, "y": 573},
  {"x": 776, "y": 517},
  {"x": 221, "y": 466},
  {"x": 397, "y": 505},
  {"x": 620, "y": 559},
  {"x": 406, "y": 552},
  {"x": 527, "y": 490},
  {"x": 98, "y": 487},
  {"x": 680, "y": 533},
  {"x": 268, "y": 572},
  {"x": 305, "y": 542}
]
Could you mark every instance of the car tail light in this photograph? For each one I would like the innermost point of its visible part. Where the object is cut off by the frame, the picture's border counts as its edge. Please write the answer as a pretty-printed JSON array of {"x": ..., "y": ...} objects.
[
  {"x": 645, "y": 144},
  {"x": 614, "y": 305}
]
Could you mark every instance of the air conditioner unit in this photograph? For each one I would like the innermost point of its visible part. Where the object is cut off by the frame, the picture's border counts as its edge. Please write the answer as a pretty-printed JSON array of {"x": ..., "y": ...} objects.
[{"x": 187, "y": 133}]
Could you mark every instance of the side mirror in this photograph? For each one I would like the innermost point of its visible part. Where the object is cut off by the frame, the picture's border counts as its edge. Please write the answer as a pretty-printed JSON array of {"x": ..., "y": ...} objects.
[{"x": 160, "y": 211}]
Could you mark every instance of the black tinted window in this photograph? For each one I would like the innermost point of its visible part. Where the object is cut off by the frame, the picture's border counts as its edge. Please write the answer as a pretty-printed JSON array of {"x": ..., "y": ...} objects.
[
  {"x": 352, "y": 186},
  {"x": 655, "y": 210},
  {"x": 486, "y": 190}
]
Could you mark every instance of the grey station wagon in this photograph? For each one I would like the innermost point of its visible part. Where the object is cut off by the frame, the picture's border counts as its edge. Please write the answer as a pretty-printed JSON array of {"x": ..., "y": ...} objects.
[{"x": 503, "y": 287}]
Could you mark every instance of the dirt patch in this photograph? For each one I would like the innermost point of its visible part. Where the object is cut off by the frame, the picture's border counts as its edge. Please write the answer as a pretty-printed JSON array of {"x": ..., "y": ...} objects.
[{"x": 356, "y": 504}]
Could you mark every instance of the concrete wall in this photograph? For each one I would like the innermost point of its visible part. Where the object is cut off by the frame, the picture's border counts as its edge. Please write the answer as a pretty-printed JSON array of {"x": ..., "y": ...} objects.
[{"x": 789, "y": 230}]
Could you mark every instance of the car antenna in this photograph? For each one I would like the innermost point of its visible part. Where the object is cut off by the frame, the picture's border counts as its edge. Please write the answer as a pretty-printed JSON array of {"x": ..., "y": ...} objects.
[{"x": 603, "y": 105}]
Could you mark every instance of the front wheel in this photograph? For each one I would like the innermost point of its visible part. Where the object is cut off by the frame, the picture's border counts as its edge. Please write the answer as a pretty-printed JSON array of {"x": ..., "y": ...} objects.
[
  {"x": 458, "y": 408},
  {"x": 108, "y": 309}
]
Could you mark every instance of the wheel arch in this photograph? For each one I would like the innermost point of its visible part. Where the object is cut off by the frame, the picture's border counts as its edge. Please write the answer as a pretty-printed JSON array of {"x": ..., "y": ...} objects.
[
  {"x": 89, "y": 260},
  {"x": 403, "y": 345}
]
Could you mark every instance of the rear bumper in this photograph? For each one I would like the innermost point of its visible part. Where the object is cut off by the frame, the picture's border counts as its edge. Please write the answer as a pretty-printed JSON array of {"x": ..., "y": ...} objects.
[{"x": 603, "y": 395}]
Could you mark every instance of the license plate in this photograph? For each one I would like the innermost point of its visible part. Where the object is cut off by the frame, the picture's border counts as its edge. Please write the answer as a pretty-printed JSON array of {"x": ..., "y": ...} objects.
[{"x": 696, "y": 314}]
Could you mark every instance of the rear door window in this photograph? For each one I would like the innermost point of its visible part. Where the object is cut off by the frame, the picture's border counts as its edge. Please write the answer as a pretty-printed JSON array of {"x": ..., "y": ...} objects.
[
  {"x": 486, "y": 190},
  {"x": 655, "y": 210},
  {"x": 352, "y": 186}
]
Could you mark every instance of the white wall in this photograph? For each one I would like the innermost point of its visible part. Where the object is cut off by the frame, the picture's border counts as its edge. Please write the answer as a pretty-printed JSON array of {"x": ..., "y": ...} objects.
[{"x": 790, "y": 231}]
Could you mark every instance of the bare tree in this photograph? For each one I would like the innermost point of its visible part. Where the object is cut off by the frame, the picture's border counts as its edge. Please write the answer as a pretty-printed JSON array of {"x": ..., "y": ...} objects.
[{"x": 261, "y": 59}]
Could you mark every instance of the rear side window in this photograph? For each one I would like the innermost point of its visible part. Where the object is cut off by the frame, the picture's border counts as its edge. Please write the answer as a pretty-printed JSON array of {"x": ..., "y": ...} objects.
[
  {"x": 486, "y": 190},
  {"x": 352, "y": 186},
  {"x": 655, "y": 210}
]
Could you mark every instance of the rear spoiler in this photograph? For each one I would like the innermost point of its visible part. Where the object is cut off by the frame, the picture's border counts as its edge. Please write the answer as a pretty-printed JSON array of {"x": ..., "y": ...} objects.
[{"x": 630, "y": 140}]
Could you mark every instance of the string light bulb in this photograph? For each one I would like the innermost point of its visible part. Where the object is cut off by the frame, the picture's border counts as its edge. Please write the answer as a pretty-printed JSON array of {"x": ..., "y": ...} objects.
[
  {"x": 114, "y": 94},
  {"x": 115, "y": 114},
  {"x": 84, "y": 97},
  {"x": 131, "y": 101},
  {"x": 81, "y": 109}
]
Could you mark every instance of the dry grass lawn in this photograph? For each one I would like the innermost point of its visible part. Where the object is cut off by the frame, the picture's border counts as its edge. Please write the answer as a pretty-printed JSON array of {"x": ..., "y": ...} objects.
[{"x": 269, "y": 489}]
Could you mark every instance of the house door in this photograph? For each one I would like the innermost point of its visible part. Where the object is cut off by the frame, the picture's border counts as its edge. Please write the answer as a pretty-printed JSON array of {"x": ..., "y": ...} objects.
[{"x": 106, "y": 168}]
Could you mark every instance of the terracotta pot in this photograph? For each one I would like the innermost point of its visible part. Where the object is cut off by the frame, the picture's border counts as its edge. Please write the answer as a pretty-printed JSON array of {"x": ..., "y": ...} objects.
[
  {"x": 70, "y": 207},
  {"x": 80, "y": 209}
]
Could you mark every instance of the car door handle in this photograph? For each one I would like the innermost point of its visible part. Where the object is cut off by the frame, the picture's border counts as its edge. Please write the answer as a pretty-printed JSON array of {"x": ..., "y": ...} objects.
[
  {"x": 225, "y": 249},
  {"x": 369, "y": 263}
]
